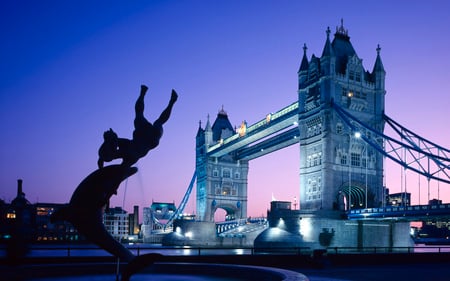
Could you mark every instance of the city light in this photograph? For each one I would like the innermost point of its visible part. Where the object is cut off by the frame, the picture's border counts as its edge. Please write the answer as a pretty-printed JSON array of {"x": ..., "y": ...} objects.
[{"x": 306, "y": 229}]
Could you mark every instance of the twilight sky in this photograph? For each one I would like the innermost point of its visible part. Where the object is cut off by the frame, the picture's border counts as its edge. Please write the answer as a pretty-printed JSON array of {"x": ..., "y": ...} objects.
[{"x": 72, "y": 69}]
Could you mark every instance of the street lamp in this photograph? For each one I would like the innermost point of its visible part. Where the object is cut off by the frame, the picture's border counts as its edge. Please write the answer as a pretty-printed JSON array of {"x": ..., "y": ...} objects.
[{"x": 349, "y": 172}]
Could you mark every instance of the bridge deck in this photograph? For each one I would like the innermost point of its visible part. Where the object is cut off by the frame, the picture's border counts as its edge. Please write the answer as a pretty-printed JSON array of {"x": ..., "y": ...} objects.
[{"x": 406, "y": 213}]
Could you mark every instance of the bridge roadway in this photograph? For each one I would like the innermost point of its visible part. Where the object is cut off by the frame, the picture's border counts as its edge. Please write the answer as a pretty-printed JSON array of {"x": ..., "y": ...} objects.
[
  {"x": 403, "y": 213},
  {"x": 276, "y": 131}
]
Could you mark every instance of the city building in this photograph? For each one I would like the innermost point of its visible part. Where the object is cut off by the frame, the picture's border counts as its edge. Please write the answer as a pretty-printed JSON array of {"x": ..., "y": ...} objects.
[
  {"x": 398, "y": 199},
  {"x": 58, "y": 231},
  {"x": 116, "y": 221},
  {"x": 155, "y": 220}
]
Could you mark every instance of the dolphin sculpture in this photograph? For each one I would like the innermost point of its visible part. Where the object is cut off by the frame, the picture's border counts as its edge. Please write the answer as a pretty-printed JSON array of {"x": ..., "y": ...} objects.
[
  {"x": 85, "y": 212},
  {"x": 85, "y": 209}
]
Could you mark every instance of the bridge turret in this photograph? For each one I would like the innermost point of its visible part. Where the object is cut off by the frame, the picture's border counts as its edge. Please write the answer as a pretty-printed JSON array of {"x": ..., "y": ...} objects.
[
  {"x": 303, "y": 70},
  {"x": 379, "y": 75},
  {"x": 331, "y": 157},
  {"x": 208, "y": 133},
  {"x": 328, "y": 59},
  {"x": 221, "y": 180}
]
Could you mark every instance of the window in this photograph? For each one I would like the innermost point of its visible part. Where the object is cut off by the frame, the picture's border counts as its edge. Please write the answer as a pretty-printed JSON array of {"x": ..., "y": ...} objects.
[
  {"x": 351, "y": 75},
  {"x": 339, "y": 128},
  {"x": 344, "y": 92},
  {"x": 226, "y": 173},
  {"x": 355, "y": 159},
  {"x": 344, "y": 159},
  {"x": 226, "y": 190}
]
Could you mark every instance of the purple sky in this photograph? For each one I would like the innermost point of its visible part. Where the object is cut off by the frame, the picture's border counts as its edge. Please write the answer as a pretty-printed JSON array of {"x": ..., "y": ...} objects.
[{"x": 72, "y": 69}]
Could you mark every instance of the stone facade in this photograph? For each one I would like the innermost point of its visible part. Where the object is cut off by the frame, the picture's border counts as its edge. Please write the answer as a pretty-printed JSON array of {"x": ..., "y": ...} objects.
[
  {"x": 221, "y": 181},
  {"x": 333, "y": 161}
]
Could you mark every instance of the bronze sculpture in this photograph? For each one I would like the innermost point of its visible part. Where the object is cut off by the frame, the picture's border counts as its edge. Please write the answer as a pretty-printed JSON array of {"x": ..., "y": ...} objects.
[{"x": 86, "y": 206}]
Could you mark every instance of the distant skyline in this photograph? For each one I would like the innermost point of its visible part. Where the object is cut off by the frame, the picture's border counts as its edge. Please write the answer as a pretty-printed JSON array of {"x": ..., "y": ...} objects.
[{"x": 72, "y": 69}]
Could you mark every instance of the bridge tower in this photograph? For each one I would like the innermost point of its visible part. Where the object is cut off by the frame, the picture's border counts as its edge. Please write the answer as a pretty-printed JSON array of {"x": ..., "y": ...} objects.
[
  {"x": 221, "y": 181},
  {"x": 334, "y": 162}
]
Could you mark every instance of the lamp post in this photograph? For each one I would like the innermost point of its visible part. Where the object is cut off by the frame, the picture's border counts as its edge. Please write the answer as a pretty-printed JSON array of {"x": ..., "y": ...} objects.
[
  {"x": 367, "y": 163},
  {"x": 349, "y": 172},
  {"x": 358, "y": 136}
]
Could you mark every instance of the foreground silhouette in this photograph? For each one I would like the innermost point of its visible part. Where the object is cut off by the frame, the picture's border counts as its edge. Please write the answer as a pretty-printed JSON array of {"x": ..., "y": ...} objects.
[
  {"x": 146, "y": 135},
  {"x": 87, "y": 204}
]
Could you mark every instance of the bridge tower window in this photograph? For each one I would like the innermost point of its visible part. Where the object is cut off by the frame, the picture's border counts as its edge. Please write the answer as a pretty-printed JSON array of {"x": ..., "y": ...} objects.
[
  {"x": 339, "y": 128},
  {"x": 355, "y": 159},
  {"x": 344, "y": 159},
  {"x": 226, "y": 173}
]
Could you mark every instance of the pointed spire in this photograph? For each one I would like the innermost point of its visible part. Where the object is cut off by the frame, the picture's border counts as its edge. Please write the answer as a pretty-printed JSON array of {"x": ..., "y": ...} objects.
[
  {"x": 200, "y": 130},
  {"x": 222, "y": 111},
  {"x": 341, "y": 31},
  {"x": 327, "y": 50},
  {"x": 378, "y": 64},
  {"x": 208, "y": 124},
  {"x": 304, "y": 64}
]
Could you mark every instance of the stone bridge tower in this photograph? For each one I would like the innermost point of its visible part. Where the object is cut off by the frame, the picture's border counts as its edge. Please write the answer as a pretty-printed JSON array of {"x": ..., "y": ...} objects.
[
  {"x": 221, "y": 181},
  {"x": 334, "y": 162}
]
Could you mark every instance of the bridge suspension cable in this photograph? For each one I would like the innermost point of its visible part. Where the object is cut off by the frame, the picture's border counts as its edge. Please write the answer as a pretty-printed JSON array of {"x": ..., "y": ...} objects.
[
  {"x": 181, "y": 207},
  {"x": 412, "y": 152}
]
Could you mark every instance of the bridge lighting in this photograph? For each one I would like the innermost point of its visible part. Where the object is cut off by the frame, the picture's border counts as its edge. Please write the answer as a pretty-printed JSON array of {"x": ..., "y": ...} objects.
[
  {"x": 281, "y": 224},
  {"x": 306, "y": 229},
  {"x": 276, "y": 231},
  {"x": 268, "y": 118},
  {"x": 239, "y": 251},
  {"x": 357, "y": 135},
  {"x": 350, "y": 94}
]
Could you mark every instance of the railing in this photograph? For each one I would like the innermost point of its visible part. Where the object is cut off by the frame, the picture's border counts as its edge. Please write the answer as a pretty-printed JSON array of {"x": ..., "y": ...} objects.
[
  {"x": 379, "y": 250},
  {"x": 37, "y": 251},
  {"x": 400, "y": 211},
  {"x": 273, "y": 118}
]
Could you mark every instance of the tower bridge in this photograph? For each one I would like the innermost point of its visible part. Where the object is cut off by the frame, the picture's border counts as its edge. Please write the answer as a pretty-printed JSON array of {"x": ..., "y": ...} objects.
[{"x": 338, "y": 121}]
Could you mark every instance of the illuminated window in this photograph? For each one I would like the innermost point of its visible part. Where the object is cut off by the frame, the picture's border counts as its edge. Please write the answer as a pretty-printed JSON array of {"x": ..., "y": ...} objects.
[
  {"x": 226, "y": 190},
  {"x": 11, "y": 215}
]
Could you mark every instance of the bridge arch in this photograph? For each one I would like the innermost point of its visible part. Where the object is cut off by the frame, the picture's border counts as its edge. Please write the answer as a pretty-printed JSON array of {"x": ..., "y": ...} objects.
[
  {"x": 357, "y": 193},
  {"x": 231, "y": 211}
]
